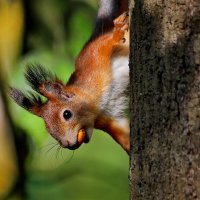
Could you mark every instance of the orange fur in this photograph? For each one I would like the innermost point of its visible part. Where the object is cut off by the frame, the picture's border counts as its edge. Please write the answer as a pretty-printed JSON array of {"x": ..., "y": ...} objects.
[
  {"x": 120, "y": 133},
  {"x": 102, "y": 48},
  {"x": 89, "y": 98}
]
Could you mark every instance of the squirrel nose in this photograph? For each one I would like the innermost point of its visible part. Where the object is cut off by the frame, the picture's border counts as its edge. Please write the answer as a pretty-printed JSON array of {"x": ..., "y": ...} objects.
[
  {"x": 68, "y": 145},
  {"x": 73, "y": 147}
]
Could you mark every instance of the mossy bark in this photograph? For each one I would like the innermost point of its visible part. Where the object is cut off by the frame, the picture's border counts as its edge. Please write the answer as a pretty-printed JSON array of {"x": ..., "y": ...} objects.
[{"x": 165, "y": 99}]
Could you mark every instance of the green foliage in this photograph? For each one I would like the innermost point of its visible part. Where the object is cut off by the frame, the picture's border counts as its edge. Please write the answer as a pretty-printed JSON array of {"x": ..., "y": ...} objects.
[{"x": 97, "y": 171}]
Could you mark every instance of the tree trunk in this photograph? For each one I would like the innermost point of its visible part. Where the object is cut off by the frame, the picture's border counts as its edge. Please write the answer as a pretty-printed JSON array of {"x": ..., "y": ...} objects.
[{"x": 165, "y": 100}]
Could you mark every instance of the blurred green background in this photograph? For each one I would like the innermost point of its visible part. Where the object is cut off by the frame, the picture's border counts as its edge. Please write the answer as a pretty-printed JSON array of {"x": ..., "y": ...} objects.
[{"x": 32, "y": 167}]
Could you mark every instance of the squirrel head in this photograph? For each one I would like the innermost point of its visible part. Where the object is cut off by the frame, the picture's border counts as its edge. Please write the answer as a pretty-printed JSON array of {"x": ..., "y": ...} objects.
[{"x": 67, "y": 113}]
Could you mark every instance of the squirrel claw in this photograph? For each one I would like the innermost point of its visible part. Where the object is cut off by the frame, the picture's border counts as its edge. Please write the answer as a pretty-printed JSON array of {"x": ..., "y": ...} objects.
[
  {"x": 122, "y": 22},
  {"x": 121, "y": 25}
]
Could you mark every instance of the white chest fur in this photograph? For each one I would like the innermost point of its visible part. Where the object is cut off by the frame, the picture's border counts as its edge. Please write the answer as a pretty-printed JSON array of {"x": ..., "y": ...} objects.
[{"x": 115, "y": 99}]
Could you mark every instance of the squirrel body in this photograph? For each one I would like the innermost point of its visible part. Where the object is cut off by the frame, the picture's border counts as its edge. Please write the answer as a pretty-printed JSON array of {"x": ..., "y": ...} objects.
[{"x": 96, "y": 94}]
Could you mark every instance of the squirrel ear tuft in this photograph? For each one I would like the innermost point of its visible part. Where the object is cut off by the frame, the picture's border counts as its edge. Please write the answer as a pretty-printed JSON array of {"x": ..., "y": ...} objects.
[
  {"x": 30, "y": 102},
  {"x": 43, "y": 81},
  {"x": 36, "y": 75}
]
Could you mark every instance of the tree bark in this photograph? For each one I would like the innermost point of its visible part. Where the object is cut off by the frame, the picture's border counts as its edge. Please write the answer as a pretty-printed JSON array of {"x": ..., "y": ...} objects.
[{"x": 165, "y": 99}]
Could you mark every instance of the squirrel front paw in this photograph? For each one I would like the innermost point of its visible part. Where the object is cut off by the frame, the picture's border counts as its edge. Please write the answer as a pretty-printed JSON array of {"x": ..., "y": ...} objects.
[{"x": 121, "y": 25}]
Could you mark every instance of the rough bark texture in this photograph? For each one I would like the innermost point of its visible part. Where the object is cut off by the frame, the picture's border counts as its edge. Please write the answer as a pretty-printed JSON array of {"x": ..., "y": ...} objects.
[{"x": 165, "y": 101}]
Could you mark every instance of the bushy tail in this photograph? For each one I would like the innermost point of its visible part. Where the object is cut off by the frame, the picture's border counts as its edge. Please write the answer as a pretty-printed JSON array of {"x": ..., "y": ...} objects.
[{"x": 108, "y": 11}]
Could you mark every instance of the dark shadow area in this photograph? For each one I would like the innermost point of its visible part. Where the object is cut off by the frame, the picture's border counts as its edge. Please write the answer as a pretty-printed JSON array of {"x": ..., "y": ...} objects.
[{"x": 36, "y": 25}]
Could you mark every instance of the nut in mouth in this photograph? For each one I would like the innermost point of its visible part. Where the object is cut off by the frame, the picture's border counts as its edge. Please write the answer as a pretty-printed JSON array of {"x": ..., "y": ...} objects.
[{"x": 81, "y": 136}]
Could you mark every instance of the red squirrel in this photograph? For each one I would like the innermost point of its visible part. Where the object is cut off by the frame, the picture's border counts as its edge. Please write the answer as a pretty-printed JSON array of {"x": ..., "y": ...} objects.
[{"x": 96, "y": 94}]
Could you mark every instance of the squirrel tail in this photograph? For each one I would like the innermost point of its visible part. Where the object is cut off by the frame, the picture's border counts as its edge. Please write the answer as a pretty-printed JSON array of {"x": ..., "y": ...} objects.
[{"x": 108, "y": 11}]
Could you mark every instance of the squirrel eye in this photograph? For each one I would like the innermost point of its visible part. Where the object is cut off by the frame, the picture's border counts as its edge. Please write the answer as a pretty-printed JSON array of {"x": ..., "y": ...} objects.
[{"x": 67, "y": 114}]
